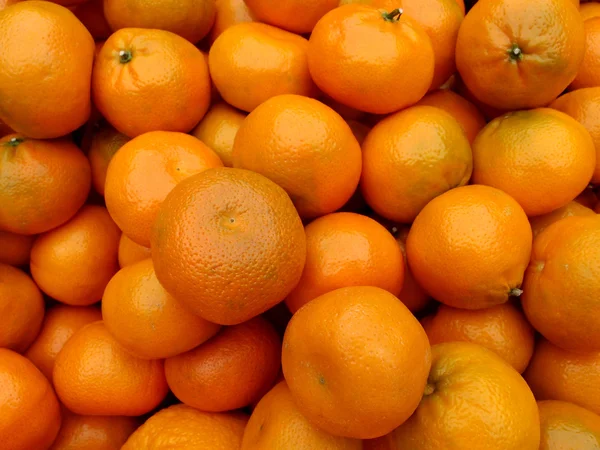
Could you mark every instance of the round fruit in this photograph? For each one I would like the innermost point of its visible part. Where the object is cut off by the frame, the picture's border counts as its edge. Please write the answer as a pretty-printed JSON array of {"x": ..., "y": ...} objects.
[
  {"x": 358, "y": 55},
  {"x": 228, "y": 244},
  {"x": 61, "y": 322},
  {"x": 47, "y": 57},
  {"x": 182, "y": 427},
  {"x": 21, "y": 309},
  {"x": 230, "y": 371},
  {"x": 471, "y": 399},
  {"x": 130, "y": 252},
  {"x": 219, "y": 128},
  {"x": 252, "y": 62},
  {"x": 589, "y": 10},
  {"x": 465, "y": 112},
  {"x": 32, "y": 203},
  {"x": 540, "y": 223},
  {"x": 470, "y": 246},
  {"x": 149, "y": 80},
  {"x": 565, "y": 264},
  {"x": 277, "y": 423},
  {"x": 542, "y": 158},
  {"x": 229, "y": 13},
  {"x": 298, "y": 16},
  {"x": 318, "y": 163},
  {"x": 93, "y": 432},
  {"x": 347, "y": 249},
  {"x": 15, "y": 248},
  {"x": 29, "y": 409},
  {"x": 584, "y": 106},
  {"x": 190, "y": 19},
  {"x": 74, "y": 262},
  {"x": 146, "y": 320},
  {"x": 565, "y": 425},
  {"x": 570, "y": 376},
  {"x": 588, "y": 71},
  {"x": 94, "y": 375},
  {"x": 512, "y": 56},
  {"x": 501, "y": 328},
  {"x": 144, "y": 171},
  {"x": 411, "y": 157},
  {"x": 104, "y": 144},
  {"x": 91, "y": 14},
  {"x": 356, "y": 362}
]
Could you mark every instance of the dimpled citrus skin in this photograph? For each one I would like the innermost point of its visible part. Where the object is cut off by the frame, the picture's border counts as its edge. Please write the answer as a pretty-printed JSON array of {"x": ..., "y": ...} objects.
[
  {"x": 567, "y": 375},
  {"x": 276, "y": 423},
  {"x": 473, "y": 400},
  {"x": 298, "y": 16},
  {"x": 164, "y": 86},
  {"x": 46, "y": 61},
  {"x": 543, "y": 158},
  {"x": 305, "y": 147},
  {"x": 356, "y": 361},
  {"x": 470, "y": 246},
  {"x": 584, "y": 106},
  {"x": 568, "y": 426},
  {"x": 30, "y": 203},
  {"x": 29, "y": 411},
  {"x": 186, "y": 428},
  {"x": 565, "y": 264},
  {"x": 94, "y": 375},
  {"x": 540, "y": 223},
  {"x": 252, "y": 62},
  {"x": 588, "y": 71},
  {"x": 550, "y": 39},
  {"x": 229, "y": 244},
  {"x": 370, "y": 77}
]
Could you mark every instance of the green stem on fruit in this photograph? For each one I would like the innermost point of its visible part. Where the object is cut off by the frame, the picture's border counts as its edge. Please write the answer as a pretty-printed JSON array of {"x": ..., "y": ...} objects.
[
  {"x": 515, "y": 53},
  {"x": 393, "y": 16},
  {"x": 125, "y": 56},
  {"x": 14, "y": 142}
]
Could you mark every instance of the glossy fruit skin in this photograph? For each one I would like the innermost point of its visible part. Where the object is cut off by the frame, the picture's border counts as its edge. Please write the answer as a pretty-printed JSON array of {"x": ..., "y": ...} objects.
[
  {"x": 535, "y": 47},
  {"x": 473, "y": 396},
  {"x": 411, "y": 157},
  {"x": 60, "y": 323},
  {"x": 229, "y": 13},
  {"x": 584, "y": 106},
  {"x": 144, "y": 171},
  {"x": 297, "y": 16},
  {"x": 589, "y": 10},
  {"x": 467, "y": 267},
  {"x": 543, "y": 170},
  {"x": 28, "y": 406},
  {"x": 347, "y": 249},
  {"x": 93, "y": 432},
  {"x": 21, "y": 309},
  {"x": 229, "y": 244},
  {"x": 15, "y": 248},
  {"x": 501, "y": 328},
  {"x": 318, "y": 164},
  {"x": 588, "y": 71},
  {"x": 354, "y": 74},
  {"x": 53, "y": 66},
  {"x": 142, "y": 77},
  {"x": 570, "y": 376},
  {"x": 540, "y": 223},
  {"x": 566, "y": 425},
  {"x": 276, "y": 423},
  {"x": 218, "y": 129},
  {"x": 465, "y": 112},
  {"x": 104, "y": 144},
  {"x": 180, "y": 426},
  {"x": 356, "y": 362},
  {"x": 32, "y": 204},
  {"x": 232, "y": 370},
  {"x": 94, "y": 375},
  {"x": 190, "y": 19},
  {"x": 252, "y": 62},
  {"x": 130, "y": 252},
  {"x": 564, "y": 264},
  {"x": 74, "y": 262}
]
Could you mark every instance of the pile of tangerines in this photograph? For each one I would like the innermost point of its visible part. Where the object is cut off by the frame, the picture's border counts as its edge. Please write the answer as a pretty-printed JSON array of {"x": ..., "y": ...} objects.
[{"x": 299, "y": 225}]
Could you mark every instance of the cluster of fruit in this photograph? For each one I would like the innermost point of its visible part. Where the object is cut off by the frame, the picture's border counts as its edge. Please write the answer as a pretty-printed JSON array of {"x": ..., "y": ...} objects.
[{"x": 299, "y": 225}]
